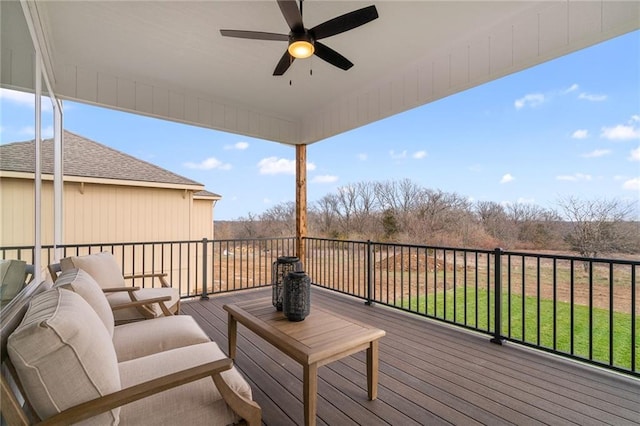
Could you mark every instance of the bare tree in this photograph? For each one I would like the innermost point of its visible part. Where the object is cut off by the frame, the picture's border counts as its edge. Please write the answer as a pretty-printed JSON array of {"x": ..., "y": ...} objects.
[
  {"x": 495, "y": 220},
  {"x": 398, "y": 197},
  {"x": 325, "y": 214},
  {"x": 279, "y": 220},
  {"x": 534, "y": 225},
  {"x": 440, "y": 217},
  {"x": 596, "y": 225},
  {"x": 249, "y": 226}
]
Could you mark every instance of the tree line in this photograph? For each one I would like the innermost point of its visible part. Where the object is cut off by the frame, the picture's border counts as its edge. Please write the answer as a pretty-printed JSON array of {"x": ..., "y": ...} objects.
[{"x": 403, "y": 211}]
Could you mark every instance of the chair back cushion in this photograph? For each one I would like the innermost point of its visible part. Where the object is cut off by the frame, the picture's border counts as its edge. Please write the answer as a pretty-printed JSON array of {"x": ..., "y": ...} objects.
[
  {"x": 101, "y": 266},
  {"x": 12, "y": 279},
  {"x": 64, "y": 356},
  {"x": 82, "y": 283}
]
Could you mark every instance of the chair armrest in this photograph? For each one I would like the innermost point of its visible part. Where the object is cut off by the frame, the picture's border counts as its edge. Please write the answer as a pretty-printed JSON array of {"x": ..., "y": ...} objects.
[
  {"x": 117, "y": 289},
  {"x": 161, "y": 276},
  {"x": 108, "y": 402},
  {"x": 142, "y": 304},
  {"x": 145, "y": 303}
]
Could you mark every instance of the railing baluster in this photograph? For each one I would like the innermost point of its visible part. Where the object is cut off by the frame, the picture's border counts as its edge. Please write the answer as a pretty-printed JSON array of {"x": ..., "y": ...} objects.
[
  {"x": 204, "y": 295},
  {"x": 497, "y": 317}
]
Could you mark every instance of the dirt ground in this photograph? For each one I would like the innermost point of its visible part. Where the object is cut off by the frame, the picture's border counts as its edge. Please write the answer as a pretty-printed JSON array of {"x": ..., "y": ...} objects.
[
  {"x": 600, "y": 292},
  {"x": 420, "y": 270}
]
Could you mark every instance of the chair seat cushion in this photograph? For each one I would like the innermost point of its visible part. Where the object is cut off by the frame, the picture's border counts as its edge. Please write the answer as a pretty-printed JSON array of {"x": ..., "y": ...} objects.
[
  {"x": 195, "y": 403},
  {"x": 132, "y": 314},
  {"x": 64, "y": 355},
  {"x": 142, "y": 338}
]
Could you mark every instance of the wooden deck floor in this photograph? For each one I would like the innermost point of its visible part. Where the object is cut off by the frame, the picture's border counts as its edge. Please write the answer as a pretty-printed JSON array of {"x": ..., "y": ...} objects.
[{"x": 429, "y": 374}]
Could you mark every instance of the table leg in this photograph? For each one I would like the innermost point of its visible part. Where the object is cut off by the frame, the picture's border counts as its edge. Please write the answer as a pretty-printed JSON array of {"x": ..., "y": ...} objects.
[
  {"x": 310, "y": 384},
  {"x": 232, "y": 333},
  {"x": 372, "y": 370}
]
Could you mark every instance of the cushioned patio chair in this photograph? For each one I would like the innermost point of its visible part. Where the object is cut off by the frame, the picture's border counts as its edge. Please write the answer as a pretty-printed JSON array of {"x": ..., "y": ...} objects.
[
  {"x": 65, "y": 366},
  {"x": 134, "y": 339},
  {"x": 104, "y": 268}
]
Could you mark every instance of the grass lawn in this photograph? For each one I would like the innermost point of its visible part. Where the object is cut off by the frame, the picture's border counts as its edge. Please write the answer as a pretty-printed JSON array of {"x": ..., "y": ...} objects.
[{"x": 535, "y": 324}]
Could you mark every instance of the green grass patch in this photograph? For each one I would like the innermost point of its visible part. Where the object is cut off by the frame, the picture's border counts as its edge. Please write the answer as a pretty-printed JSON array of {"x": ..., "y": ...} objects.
[{"x": 535, "y": 324}]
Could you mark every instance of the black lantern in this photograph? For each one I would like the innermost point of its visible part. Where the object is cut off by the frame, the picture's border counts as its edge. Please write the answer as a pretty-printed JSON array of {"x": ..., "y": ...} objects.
[
  {"x": 280, "y": 268},
  {"x": 296, "y": 298}
]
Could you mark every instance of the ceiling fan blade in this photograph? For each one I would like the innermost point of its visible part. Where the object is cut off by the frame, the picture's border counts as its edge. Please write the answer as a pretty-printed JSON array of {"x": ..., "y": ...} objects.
[
  {"x": 322, "y": 51},
  {"x": 255, "y": 35},
  {"x": 345, "y": 22},
  {"x": 292, "y": 15},
  {"x": 284, "y": 63}
]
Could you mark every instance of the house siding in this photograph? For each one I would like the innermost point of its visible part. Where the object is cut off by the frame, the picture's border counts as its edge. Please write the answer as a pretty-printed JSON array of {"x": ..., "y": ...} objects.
[{"x": 104, "y": 213}]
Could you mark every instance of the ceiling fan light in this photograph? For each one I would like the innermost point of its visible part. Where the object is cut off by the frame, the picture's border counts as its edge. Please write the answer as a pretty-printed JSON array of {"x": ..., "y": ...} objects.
[{"x": 301, "y": 49}]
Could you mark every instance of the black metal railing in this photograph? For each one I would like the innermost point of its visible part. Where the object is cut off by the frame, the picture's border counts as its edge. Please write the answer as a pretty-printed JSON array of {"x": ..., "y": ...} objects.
[
  {"x": 196, "y": 268},
  {"x": 583, "y": 308}
]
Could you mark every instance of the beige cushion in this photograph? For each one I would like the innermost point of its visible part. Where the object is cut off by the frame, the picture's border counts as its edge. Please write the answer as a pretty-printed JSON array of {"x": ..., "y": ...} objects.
[
  {"x": 195, "y": 403},
  {"x": 101, "y": 266},
  {"x": 82, "y": 283},
  {"x": 104, "y": 268},
  {"x": 144, "y": 338},
  {"x": 12, "y": 279},
  {"x": 63, "y": 355}
]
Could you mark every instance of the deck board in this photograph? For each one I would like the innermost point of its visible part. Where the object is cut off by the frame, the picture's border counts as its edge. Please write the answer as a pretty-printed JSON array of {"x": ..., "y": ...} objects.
[{"x": 430, "y": 373}]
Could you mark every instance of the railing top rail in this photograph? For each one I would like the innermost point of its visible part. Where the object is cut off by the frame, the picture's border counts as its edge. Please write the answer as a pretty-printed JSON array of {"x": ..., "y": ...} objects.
[
  {"x": 486, "y": 251},
  {"x": 388, "y": 244},
  {"x": 570, "y": 257},
  {"x": 138, "y": 243}
]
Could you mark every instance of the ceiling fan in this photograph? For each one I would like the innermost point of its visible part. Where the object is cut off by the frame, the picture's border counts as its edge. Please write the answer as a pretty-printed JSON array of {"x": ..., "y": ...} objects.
[{"x": 303, "y": 42}]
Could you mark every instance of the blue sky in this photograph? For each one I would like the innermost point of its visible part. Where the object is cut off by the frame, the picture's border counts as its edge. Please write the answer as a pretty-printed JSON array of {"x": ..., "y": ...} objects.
[{"x": 567, "y": 127}]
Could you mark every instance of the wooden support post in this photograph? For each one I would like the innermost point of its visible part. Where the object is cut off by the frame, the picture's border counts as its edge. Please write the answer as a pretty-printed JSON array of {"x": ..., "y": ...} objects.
[{"x": 301, "y": 200}]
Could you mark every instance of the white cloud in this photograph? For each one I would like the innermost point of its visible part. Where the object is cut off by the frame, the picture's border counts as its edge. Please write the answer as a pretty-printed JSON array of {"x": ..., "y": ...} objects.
[
  {"x": 634, "y": 155},
  {"x": 580, "y": 134},
  {"x": 533, "y": 100},
  {"x": 597, "y": 153},
  {"x": 575, "y": 177},
  {"x": 620, "y": 132},
  {"x": 240, "y": 146},
  {"x": 572, "y": 88},
  {"x": 324, "y": 179},
  {"x": 25, "y": 99},
  {"x": 363, "y": 157},
  {"x": 419, "y": 155},
  {"x": 208, "y": 164},
  {"x": 507, "y": 178},
  {"x": 398, "y": 155},
  {"x": 591, "y": 97},
  {"x": 632, "y": 184},
  {"x": 275, "y": 166},
  {"x": 623, "y": 132}
]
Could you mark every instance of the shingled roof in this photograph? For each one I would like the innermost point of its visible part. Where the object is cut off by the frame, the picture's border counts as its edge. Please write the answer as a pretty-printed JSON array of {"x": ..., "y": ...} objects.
[{"x": 86, "y": 158}]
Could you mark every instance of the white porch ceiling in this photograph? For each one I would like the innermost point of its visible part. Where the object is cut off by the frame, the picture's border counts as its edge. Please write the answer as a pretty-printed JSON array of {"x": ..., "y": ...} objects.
[{"x": 167, "y": 58}]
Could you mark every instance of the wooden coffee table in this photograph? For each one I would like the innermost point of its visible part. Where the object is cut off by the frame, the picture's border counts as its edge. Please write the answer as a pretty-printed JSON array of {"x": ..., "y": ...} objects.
[{"x": 322, "y": 337}]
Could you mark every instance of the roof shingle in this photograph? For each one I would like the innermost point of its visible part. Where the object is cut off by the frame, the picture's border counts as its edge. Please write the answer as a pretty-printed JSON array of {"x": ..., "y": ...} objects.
[{"x": 86, "y": 158}]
